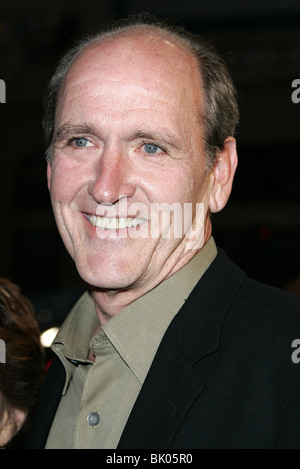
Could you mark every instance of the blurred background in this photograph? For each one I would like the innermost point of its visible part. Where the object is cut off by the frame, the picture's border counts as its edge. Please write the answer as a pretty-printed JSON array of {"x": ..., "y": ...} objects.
[{"x": 259, "y": 228}]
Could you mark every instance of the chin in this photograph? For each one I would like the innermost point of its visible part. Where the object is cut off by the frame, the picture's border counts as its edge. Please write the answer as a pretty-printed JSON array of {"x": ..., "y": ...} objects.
[{"x": 106, "y": 277}]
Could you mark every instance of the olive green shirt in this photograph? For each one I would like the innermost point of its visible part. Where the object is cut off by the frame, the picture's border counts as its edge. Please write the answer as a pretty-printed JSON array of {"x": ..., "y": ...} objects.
[{"x": 98, "y": 396}]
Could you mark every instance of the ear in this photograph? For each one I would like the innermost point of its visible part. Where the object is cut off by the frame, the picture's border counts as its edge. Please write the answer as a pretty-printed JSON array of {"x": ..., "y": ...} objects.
[
  {"x": 49, "y": 175},
  {"x": 19, "y": 417},
  {"x": 223, "y": 173},
  {"x": 11, "y": 424}
]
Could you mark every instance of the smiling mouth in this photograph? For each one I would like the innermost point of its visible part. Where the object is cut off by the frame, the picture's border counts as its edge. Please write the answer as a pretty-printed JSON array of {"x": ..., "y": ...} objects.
[{"x": 115, "y": 223}]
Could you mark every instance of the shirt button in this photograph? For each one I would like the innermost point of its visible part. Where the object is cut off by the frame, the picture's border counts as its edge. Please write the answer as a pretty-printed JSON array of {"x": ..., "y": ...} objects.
[{"x": 93, "y": 419}]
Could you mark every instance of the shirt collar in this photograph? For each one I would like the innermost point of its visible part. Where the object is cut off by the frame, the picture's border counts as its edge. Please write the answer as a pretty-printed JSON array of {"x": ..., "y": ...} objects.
[{"x": 71, "y": 343}]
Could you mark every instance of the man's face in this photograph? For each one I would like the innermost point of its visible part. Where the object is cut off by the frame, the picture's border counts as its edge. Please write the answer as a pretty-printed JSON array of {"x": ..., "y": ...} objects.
[{"x": 128, "y": 137}]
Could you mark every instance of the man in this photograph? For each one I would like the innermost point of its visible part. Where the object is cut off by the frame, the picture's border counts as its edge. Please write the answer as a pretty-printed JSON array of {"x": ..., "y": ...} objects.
[{"x": 172, "y": 346}]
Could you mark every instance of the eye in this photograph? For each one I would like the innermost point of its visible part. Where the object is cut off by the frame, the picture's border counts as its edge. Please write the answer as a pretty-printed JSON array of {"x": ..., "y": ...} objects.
[
  {"x": 151, "y": 148},
  {"x": 81, "y": 142}
]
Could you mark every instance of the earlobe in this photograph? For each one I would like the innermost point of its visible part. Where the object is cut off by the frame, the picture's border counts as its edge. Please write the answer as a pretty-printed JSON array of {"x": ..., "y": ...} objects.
[{"x": 223, "y": 174}]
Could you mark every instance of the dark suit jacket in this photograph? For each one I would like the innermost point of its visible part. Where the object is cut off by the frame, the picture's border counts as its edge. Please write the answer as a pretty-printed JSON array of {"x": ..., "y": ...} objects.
[{"x": 223, "y": 376}]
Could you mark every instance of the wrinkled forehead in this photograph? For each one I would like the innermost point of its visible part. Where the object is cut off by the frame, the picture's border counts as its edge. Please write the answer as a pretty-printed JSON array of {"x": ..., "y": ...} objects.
[{"x": 153, "y": 61}]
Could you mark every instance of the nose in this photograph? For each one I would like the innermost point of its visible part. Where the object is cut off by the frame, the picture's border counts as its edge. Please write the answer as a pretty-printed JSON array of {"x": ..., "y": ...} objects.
[{"x": 112, "y": 178}]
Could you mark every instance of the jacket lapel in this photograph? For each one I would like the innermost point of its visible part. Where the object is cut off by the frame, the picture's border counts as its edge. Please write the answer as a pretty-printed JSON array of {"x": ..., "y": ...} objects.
[
  {"x": 172, "y": 384},
  {"x": 168, "y": 392}
]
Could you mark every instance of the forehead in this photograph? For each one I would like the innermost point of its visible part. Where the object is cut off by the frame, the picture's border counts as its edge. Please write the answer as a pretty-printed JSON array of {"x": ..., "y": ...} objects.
[{"x": 152, "y": 64}]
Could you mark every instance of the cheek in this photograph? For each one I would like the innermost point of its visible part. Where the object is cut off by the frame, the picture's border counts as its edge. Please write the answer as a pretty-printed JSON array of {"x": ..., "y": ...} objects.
[
  {"x": 200, "y": 183},
  {"x": 64, "y": 181},
  {"x": 184, "y": 186},
  {"x": 167, "y": 186}
]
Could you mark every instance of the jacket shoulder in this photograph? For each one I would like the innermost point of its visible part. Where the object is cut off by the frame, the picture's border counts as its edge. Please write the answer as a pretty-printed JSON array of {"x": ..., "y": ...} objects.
[
  {"x": 267, "y": 300},
  {"x": 250, "y": 293}
]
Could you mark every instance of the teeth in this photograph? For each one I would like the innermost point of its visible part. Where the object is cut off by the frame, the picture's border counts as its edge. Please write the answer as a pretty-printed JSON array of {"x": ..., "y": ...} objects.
[{"x": 114, "y": 223}]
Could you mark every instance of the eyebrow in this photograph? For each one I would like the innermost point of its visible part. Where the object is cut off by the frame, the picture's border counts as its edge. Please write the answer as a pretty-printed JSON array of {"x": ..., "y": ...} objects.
[
  {"x": 68, "y": 130},
  {"x": 160, "y": 136}
]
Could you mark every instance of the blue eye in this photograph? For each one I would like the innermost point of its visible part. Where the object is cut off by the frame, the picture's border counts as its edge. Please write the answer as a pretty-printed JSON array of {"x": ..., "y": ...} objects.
[
  {"x": 81, "y": 142},
  {"x": 152, "y": 148}
]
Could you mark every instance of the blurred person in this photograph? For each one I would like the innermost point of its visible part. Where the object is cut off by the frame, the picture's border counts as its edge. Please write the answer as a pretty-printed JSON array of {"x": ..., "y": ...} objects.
[
  {"x": 22, "y": 371},
  {"x": 172, "y": 345}
]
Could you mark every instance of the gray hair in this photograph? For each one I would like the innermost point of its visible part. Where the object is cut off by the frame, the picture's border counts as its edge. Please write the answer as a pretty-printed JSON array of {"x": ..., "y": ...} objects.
[{"x": 220, "y": 112}]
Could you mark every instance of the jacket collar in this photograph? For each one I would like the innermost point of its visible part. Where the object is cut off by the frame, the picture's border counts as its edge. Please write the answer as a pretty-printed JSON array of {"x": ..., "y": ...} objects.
[{"x": 197, "y": 327}]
